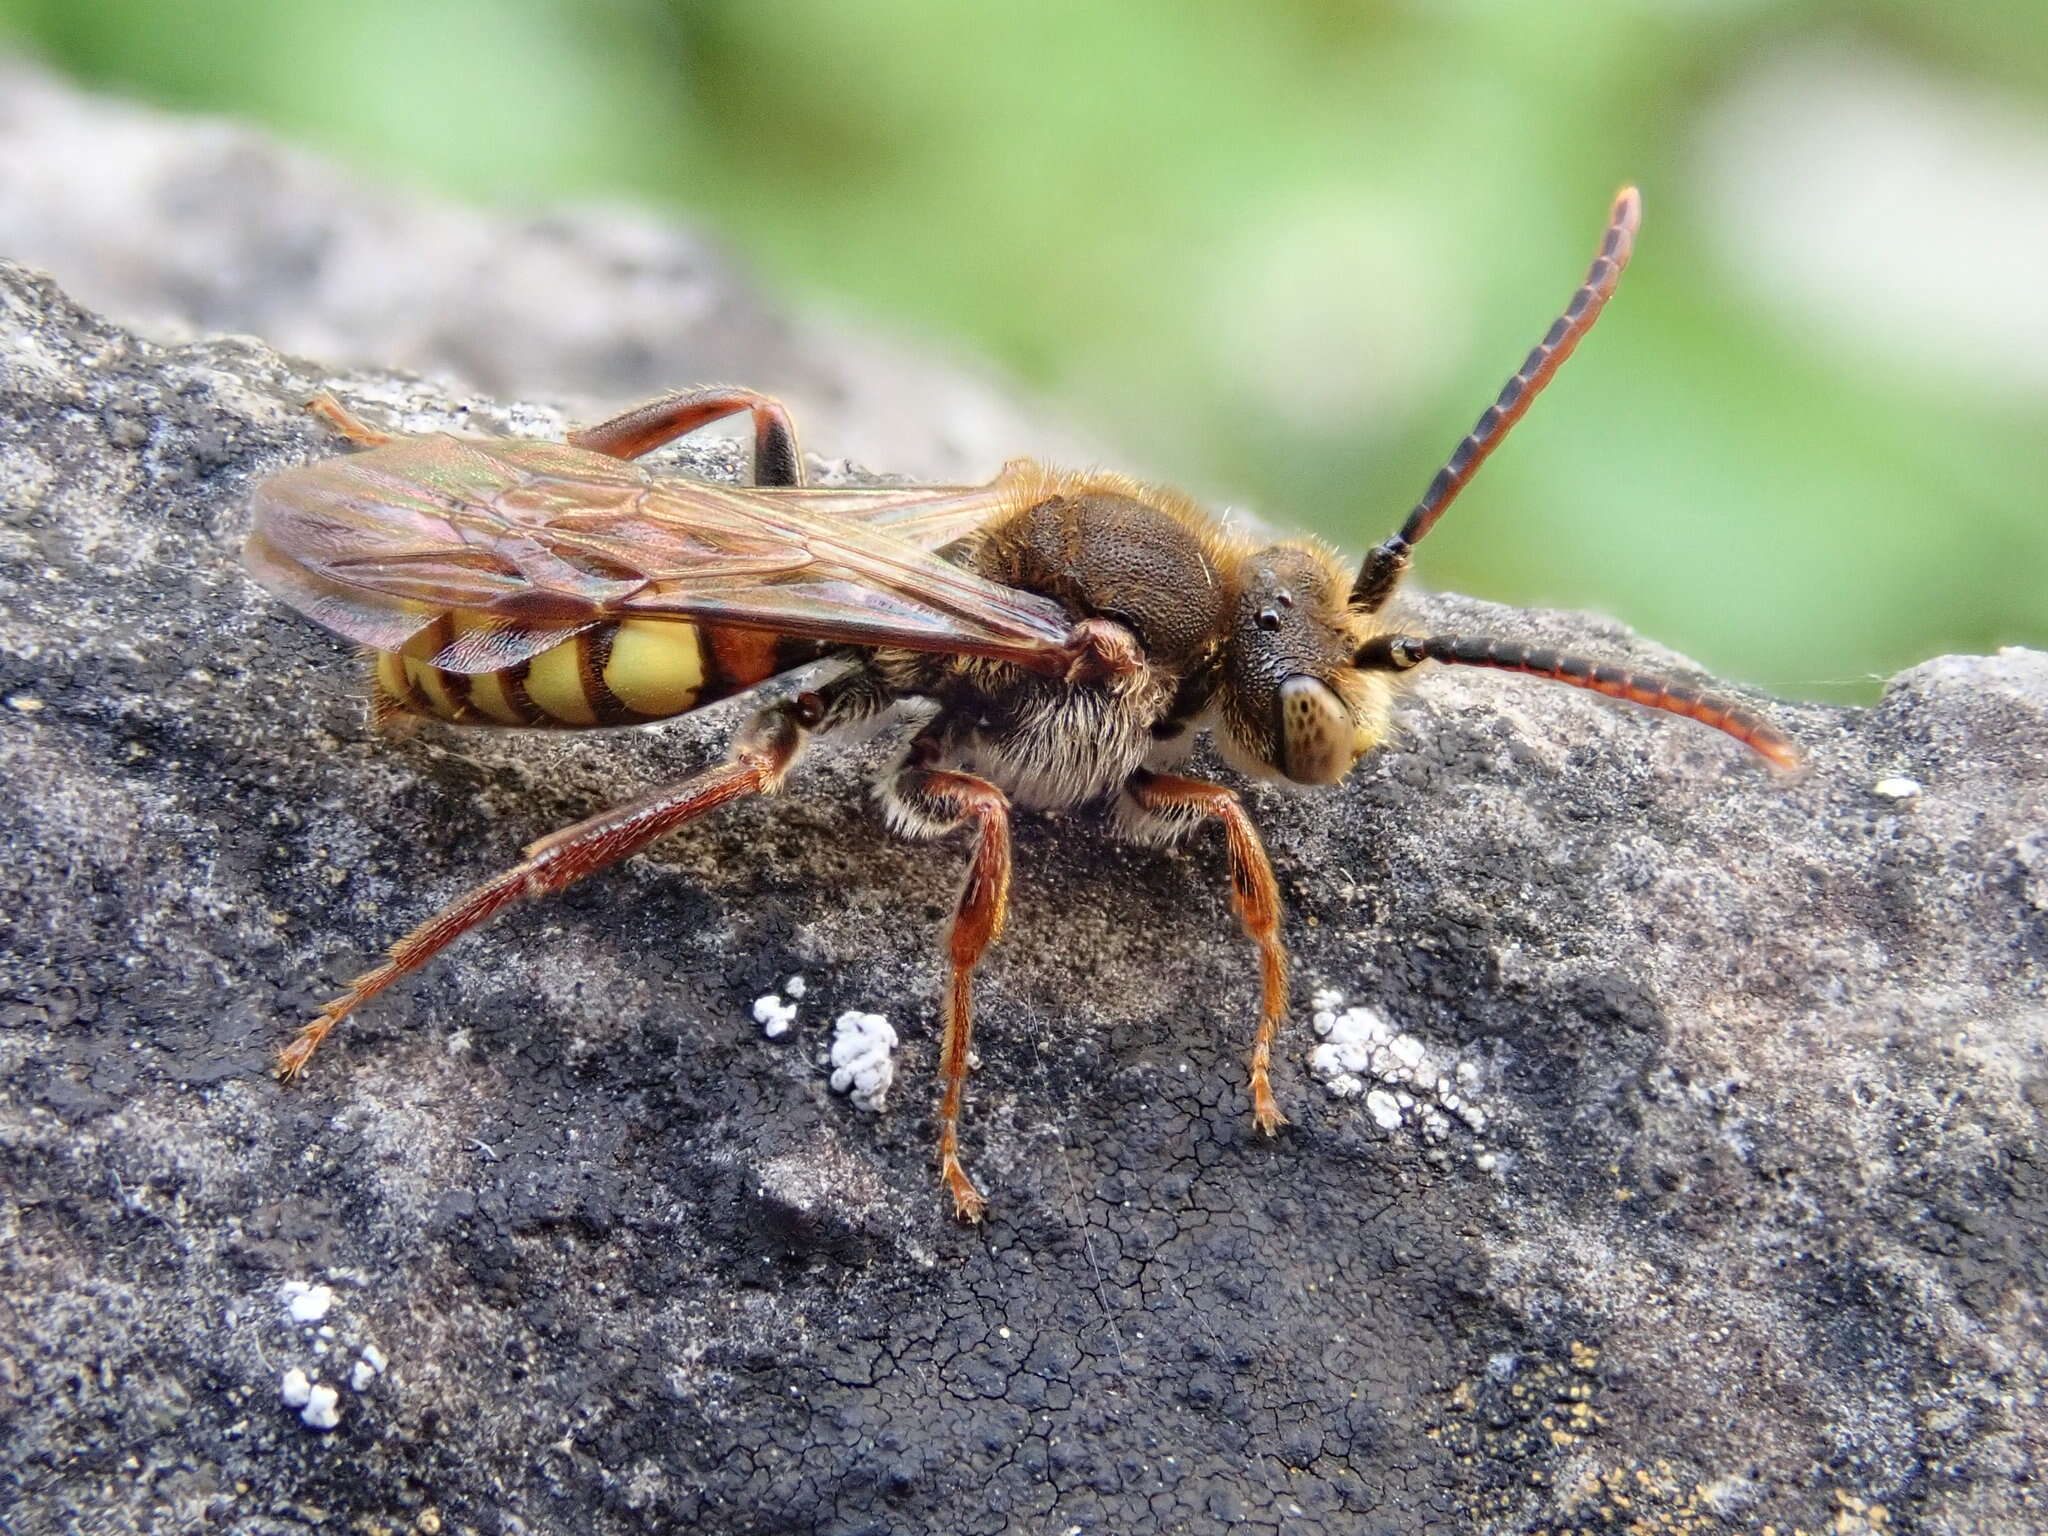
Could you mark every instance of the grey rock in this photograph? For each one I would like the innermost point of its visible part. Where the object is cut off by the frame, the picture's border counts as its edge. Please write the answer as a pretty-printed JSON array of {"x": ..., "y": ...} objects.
[{"x": 1750, "y": 1231}]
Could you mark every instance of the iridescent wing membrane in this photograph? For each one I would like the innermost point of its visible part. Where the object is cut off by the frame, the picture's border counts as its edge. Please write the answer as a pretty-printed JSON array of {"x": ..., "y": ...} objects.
[{"x": 526, "y": 544}]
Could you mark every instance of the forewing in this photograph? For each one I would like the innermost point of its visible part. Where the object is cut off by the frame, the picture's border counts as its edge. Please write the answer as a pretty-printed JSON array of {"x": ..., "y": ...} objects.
[
  {"x": 928, "y": 516},
  {"x": 529, "y": 543}
]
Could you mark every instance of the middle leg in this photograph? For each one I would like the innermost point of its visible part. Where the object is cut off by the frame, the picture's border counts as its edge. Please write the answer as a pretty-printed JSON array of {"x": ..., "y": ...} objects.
[
  {"x": 1162, "y": 806},
  {"x": 923, "y": 800}
]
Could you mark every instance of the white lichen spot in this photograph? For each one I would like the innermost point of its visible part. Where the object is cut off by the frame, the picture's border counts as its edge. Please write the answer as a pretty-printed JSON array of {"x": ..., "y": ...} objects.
[
  {"x": 1357, "y": 1043},
  {"x": 306, "y": 1303},
  {"x": 796, "y": 986},
  {"x": 361, "y": 1375},
  {"x": 375, "y": 1358},
  {"x": 1896, "y": 787},
  {"x": 1384, "y": 1111},
  {"x": 323, "y": 1407},
  {"x": 863, "y": 1065},
  {"x": 295, "y": 1391},
  {"x": 774, "y": 1015},
  {"x": 1363, "y": 1053}
]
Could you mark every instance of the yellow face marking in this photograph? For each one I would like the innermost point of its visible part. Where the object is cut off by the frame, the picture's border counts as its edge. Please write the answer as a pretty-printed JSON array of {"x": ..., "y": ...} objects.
[
  {"x": 554, "y": 682},
  {"x": 655, "y": 668}
]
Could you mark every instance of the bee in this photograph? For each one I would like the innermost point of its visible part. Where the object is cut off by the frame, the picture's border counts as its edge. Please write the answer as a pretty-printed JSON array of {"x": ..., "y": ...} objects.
[{"x": 1053, "y": 639}]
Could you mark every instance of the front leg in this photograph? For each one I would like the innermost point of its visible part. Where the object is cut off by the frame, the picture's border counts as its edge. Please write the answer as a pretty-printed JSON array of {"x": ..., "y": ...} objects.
[
  {"x": 923, "y": 800},
  {"x": 1162, "y": 808}
]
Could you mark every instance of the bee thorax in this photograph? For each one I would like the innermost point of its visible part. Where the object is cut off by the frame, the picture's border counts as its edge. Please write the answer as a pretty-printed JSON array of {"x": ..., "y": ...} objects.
[{"x": 1052, "y": 748}]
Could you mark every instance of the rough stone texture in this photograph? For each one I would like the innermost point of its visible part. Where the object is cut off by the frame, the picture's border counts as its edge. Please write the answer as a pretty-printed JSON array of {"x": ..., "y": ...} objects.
[{"x": 1751, "y": 1235}]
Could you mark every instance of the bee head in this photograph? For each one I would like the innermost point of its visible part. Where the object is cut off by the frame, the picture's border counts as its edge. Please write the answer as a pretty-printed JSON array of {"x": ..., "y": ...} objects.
[
  {"x": 1312, "y": 661},
  {"x": 1292, "y": 704}
]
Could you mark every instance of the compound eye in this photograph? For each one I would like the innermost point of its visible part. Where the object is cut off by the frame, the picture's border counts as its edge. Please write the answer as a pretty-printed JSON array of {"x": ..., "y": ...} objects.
[
  {"x": 1268, "y": 618},
  {"x": 1316, "y": 732}
]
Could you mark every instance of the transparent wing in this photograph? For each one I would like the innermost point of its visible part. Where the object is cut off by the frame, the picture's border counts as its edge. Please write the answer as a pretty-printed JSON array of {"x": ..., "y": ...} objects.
[{"x": 531, "y": 542}]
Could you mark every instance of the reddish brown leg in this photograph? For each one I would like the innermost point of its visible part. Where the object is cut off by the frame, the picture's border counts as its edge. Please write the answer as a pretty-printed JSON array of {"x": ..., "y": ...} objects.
[
  {"x": 646, "y": 427},
  {"x": 346, "y": 422},
  {"x": 760, "y": 758},
  {"x": 1253, "y": 892},
  {"x": 926, "y": 801}
]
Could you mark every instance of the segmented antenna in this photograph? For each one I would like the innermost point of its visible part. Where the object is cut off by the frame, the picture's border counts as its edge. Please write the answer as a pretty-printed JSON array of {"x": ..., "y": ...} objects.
[
  {"x": 1397, "y": 653},
  {"x": 1385, "y": 565}
]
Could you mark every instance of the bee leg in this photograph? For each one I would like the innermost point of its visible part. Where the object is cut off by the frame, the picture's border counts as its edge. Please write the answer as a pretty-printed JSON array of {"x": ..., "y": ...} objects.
[
  {"x": 1163, "y": 806},
  {"x": 346, "y": 422},
  {"x": 645, "y": 428},
  {"x": 925, "y": 801},
  {"x": 761, "y": 755}
]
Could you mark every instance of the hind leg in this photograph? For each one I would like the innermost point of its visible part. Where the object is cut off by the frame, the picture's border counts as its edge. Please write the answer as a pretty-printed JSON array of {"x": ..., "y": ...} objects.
[
  {"x": 777, "y": 460},
  {"x": 761, "y": 756}
]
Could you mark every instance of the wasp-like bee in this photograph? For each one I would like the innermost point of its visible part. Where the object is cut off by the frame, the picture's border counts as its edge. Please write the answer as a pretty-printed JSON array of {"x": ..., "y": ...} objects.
[{"x": 1058, "y": 640}]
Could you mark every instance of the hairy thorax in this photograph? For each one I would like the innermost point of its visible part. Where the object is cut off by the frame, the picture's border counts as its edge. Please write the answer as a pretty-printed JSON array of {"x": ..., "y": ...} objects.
[
  {"x": 1050, "y": 746},
  {"x": 1102, "y": 553}
]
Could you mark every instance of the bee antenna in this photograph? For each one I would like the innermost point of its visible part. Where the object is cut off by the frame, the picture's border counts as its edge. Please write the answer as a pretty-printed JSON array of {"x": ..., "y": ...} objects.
[
  {"x": 1386, "y": 564},
  {"x": 1398, "y": 653}
]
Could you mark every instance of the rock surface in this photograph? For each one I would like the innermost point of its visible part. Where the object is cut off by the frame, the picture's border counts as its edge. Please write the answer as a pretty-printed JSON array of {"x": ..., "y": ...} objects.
[{"x": 1732, "y": 1220}]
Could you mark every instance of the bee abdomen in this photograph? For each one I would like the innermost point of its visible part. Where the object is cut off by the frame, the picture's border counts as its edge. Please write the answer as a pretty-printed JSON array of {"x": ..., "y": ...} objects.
[{"x": 624, "y": 673}]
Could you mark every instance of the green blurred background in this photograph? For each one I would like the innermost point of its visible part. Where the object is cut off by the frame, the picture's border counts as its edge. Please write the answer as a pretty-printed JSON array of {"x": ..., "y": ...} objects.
[{"x": 1286, "y": 251}]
